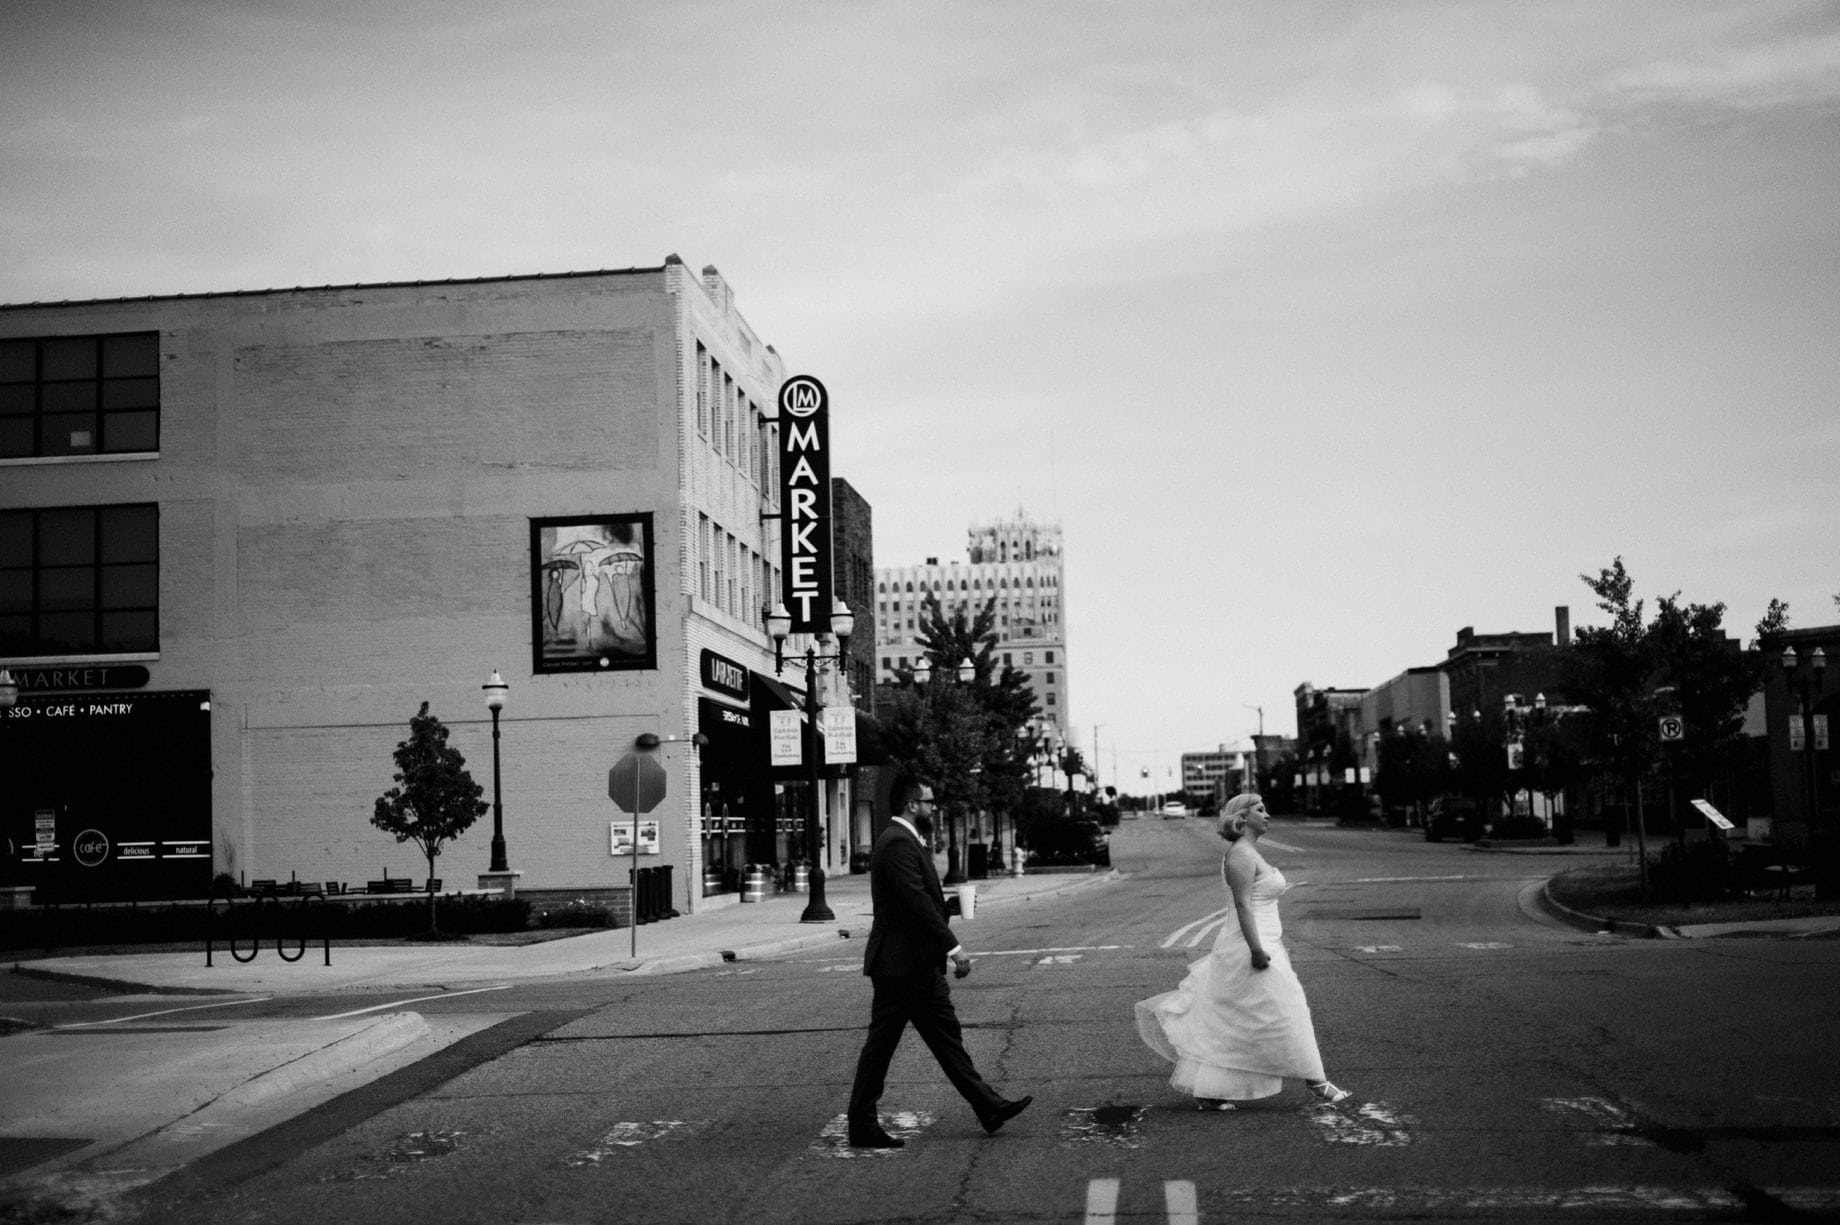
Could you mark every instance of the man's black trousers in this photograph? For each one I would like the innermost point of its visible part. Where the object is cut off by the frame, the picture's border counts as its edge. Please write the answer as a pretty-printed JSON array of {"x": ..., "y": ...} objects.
[{"x": 925, "y": 1002}]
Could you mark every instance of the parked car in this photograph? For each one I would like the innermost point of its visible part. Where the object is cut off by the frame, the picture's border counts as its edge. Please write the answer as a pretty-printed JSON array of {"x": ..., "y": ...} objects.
[
  {"x": 1453, "y": 816},
  {"x": 1173, "y": 810}
]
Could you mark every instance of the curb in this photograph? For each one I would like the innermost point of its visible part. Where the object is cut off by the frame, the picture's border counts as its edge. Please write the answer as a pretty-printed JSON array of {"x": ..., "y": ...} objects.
[
  {"x": 1588, "y": 922},
  {"x": 385, "y": 1036},
  {"x": 119, "y": 986}
]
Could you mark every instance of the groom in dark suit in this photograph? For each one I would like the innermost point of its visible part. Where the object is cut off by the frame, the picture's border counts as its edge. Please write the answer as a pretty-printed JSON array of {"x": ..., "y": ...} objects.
[{"x": 909, "y": 944}]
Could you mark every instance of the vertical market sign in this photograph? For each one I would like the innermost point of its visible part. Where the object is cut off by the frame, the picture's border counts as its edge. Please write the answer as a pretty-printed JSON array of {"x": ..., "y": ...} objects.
[{"x": 805, "y": 503}]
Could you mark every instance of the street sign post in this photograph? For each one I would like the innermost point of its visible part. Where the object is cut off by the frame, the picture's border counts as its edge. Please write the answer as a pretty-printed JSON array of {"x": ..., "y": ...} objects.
[
  {"x": 636, "y": 784},
  {"x": 1673, "y": 727}
]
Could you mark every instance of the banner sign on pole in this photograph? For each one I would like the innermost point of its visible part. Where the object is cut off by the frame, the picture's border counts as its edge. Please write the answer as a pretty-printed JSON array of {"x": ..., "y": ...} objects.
[
  {"x": 1820, "y": 733},
  {"x": 1797, "y": 733},
  {"x": 783, "y": 735},
  {"x": 805, "y": 503},
  {"x": 839, "y": 724}
]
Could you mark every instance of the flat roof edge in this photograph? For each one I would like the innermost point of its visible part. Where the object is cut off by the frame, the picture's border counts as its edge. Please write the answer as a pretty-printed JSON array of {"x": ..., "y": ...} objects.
[{"x": 255, "y": 293}]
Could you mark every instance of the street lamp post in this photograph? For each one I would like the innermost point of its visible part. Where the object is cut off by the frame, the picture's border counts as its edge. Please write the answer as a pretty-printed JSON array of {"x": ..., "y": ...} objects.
[
  {"x": 495, "y": 690},
  {"x": 966, "y": 672},
  {"x": 1804, "y": 683},
  {"x": 779, "y": 625}
]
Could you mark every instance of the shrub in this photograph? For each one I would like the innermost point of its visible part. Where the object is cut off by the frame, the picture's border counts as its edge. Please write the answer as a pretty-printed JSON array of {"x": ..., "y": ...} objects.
[
  {"x": 1519, "y": 827},
  {"x": 1702, "y": 872},
  {"x": 76, "y": 926},
  {"x": 578, "y": 913}
]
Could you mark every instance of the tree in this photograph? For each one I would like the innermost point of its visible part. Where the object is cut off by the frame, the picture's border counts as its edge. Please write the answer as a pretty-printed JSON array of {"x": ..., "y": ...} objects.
[
  {"x": 1631, "y": 672},
  {"x": 435, "y": 800},
  {"x": 967, "y": 739}
]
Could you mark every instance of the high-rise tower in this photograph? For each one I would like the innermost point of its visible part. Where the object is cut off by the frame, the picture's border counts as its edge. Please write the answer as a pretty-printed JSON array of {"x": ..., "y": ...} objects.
[{"x": 1016, "y": 561}]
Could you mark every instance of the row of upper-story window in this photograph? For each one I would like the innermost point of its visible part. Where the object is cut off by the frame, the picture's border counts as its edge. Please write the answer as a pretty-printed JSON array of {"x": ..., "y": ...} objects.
[
  {"x": 729, "y": 574},
  {"x": 79, "y": 580},
  {"x": 733, "y": 425},
  {"x": 1001, "y": 583},
  {"x": 79, "y": 395}
]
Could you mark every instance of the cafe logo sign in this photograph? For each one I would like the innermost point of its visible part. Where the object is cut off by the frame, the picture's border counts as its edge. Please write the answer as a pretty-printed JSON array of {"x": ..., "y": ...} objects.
[
  {"x": 724, "y": 674},
  {"x": 805, "y": 503},
  {"x": 91, "y": 848}
]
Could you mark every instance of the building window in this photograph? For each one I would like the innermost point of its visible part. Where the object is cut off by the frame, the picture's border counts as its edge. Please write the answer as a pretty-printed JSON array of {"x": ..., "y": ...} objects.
[
  {"x": 1050, "y": 678},
  {"x": 1050, "y": 658},
  {"x": 80, "y": 580},
  {"x": 1050, "y": 699},
  {"x": 80, "y": 395}
]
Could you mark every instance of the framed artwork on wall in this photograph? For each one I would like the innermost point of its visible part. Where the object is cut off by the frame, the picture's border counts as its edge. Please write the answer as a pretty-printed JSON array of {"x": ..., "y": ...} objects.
[{"x": 591, "y": 594}]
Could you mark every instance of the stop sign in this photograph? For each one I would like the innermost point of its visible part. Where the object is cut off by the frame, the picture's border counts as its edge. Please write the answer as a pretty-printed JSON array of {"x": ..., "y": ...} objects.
[{"x": 636, "y": 783}]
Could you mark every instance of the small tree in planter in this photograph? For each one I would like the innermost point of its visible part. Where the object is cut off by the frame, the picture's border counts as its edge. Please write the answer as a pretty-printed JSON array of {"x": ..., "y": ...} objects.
[{"x": 435, "y": 799}]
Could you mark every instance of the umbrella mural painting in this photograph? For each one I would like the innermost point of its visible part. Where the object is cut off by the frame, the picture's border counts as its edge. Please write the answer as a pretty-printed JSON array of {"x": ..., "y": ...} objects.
[{"x": 592, "y": 593}]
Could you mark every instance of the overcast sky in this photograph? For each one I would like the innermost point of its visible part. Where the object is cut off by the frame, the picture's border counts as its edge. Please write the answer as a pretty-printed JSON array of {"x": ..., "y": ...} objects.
[{"x": 1324, "y": 330}]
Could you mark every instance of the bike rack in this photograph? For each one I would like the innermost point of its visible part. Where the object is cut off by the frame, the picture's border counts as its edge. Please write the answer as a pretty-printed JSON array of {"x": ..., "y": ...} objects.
[{"x": 300, "y": 909}]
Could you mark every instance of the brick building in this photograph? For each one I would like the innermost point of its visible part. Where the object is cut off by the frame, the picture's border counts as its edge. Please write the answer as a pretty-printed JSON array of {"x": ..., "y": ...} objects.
[{"x": 244, "y": 535}]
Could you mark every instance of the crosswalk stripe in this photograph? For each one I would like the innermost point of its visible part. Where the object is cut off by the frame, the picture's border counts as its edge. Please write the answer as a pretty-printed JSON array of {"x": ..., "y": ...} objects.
[
  {"x": 1179, "y": 1203},
  {"x": 1102, "y": 1201}
]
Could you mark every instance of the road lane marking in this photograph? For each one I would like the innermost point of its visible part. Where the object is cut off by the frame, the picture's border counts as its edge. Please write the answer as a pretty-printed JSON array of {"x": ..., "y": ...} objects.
[
  {"x": 1179, "y": 1202},
  {"x": 420, "y": 999},
  {"x": 1204, "y": 922},
  {"x": 142, "y": 1016},
  {"x": 1075, "y": 948},
  {"x": 834, "y": 1140},
  {"x": 1483, "y": 944},
  {"x": 1065, "y": 960},
  {"x": 1402, "y": 880},
  {"x": 626, "y": 1136},
  {"x": 1372, "y": 1125},
  {"x": 1612, "y": 1124},
  {"x": 1102, "y": 1201},
  {"x": 1378, "y": 948},
  {"x": 1282, "y": 846}
]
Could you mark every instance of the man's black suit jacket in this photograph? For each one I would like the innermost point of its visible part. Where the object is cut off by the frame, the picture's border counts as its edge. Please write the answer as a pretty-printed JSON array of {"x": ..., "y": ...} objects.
[{"x": 910, "y": 936}]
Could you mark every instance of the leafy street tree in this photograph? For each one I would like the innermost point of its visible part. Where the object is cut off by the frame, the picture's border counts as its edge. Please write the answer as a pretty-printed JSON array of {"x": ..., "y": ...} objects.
[
  {"x": 435, "y": 800},
  {"x": 968, "y": 739},
  {"x": 1413, "y": 767},
  {"x": 1631, "y": 672}
]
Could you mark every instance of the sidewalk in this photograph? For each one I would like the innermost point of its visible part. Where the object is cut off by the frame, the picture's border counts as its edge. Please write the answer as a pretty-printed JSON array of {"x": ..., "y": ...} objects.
[
  {"x": 87, "y": 1112},
  {"x": 734, "y": 932}
]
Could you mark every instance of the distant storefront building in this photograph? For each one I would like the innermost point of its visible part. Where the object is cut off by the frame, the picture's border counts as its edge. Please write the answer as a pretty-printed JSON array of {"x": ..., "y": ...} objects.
[{"x": 244, "y": 535}]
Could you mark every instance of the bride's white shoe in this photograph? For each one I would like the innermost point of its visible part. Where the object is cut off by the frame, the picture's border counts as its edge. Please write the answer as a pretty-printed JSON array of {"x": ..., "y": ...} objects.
[{"x": 1327, "y": 1092}]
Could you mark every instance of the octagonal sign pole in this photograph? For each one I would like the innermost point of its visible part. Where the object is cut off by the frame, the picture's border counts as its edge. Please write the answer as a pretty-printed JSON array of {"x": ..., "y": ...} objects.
[{"x": 636, "y": 784}]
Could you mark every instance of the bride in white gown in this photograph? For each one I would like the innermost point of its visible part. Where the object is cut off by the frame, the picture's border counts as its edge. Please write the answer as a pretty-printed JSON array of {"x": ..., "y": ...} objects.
[{"x": 1238, "y": 1024}]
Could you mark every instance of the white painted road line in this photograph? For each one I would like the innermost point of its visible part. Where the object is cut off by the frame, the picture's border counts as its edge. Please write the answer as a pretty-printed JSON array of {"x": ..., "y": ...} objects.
[
  {"x": 1076, "y": 948},
  {"x": 1373, "y": 1125},
  {"x": 164, "y": 1012},
  {"x": 1611, "y": 1124},
  {"x": 1179, "y": 1202},
  {"x": 1203, "y": 923},
  {"x": 445, "y": 995},
  {"x": 1401, "y": 880},
  {"x": 1102, "y": 1201}
]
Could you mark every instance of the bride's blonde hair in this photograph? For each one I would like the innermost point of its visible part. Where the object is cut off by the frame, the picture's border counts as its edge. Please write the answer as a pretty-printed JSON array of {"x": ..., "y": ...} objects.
[{"x": 1232, "y": 821}]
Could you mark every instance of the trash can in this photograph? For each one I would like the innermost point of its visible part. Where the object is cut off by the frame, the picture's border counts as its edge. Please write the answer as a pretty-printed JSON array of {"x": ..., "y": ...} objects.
[
  {"x": 801, "y": 877},
  {"x": 754, "y": 885},
  {"x": 712, "y": 881},
  {"x": 977, "y": 861},
  {"x": 967, "y": 901}
]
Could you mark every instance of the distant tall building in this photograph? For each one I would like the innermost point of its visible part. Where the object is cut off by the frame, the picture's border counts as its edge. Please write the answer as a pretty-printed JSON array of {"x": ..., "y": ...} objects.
[{"x": 1017, "y": 561}]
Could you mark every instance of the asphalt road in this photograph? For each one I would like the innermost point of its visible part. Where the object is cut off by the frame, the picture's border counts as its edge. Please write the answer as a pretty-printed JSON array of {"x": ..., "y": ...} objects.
[{"x": 1504, "y": 1067}]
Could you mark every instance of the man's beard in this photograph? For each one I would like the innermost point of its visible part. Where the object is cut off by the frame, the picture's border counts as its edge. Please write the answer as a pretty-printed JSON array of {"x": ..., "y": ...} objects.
[{"x": 924, "y": 825}]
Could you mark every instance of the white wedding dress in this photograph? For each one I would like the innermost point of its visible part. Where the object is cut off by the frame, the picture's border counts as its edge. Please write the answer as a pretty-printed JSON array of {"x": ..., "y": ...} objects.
[{"x": 1234, "y": 1032}]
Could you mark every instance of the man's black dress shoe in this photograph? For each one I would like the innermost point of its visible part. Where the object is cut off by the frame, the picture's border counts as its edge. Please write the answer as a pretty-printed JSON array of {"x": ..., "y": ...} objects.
[
  {"x": 1004, "y": 1113},
  {"x": 874, "y": 1139}
]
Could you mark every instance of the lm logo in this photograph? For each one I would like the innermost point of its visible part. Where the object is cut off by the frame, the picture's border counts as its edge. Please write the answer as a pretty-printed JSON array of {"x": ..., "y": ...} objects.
[{"x": 802, "y": 396}]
